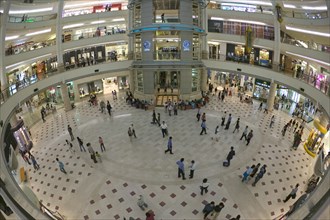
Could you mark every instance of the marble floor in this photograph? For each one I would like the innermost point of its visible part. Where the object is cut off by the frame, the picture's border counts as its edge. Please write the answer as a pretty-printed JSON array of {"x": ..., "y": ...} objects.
[{"x": 109, "y": 190}]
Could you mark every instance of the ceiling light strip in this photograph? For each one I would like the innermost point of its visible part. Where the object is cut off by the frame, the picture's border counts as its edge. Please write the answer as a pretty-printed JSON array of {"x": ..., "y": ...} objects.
[
  {"x": 30, "y": 11},
  {"x": 308, "y": 31},
  {"x": 39, "y": 32}
]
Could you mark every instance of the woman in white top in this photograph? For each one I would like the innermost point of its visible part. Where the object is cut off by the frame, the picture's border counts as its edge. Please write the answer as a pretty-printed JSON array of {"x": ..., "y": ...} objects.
[{"x": 204, "y": 186}]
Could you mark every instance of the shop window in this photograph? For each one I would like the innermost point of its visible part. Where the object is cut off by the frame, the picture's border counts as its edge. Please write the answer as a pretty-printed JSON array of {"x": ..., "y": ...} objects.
[
  {"x": 196, "y": 47},
  {"x": 137, "y": 47}
]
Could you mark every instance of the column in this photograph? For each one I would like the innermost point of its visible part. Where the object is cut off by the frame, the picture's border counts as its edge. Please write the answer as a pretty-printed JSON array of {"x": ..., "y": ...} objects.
[
  {"x": 76, "y": 92},
  {"x": 130, "y": 37},
  {"x": 328, "y": 6},
  {"x": 204, "y": 80},
  {"x": 205, "y": 51},
  {"x": 271, "y": 96},
  {"x": 59, "y": 27},
  {"x": 4, "y": 19},
  {"x": 65, "y": 97},
  {"x": 277, "y": 39},
  {"x": 131, "y": 81}
]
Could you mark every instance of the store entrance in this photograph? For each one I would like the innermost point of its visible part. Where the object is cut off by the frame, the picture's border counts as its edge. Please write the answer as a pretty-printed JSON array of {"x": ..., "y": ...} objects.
[{"x": 167, "y": 80}]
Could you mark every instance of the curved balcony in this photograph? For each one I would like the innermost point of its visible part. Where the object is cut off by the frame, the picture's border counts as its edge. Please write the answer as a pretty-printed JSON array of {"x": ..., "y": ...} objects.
[
  {"x": 305, "y": 85},
  {"x": 28, "y": 47}
]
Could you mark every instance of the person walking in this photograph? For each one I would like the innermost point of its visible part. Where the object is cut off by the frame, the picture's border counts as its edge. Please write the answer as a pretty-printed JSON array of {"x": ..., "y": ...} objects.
[
  {"x": 236, "y": 125},
  {"x": 272, "y": 121},
  {"x": 42, "y": 115},
  {"x": 163, "y": 17},
  {"x": 223, "y": 119},
  {"x": 34, "y": 162},
  {"x": 203, "y": 125},
  {"x": 230, "y": 155},
  {"x": 254, "y": 171},
  {"x": 98, "y": 157},
  {"x": 102, "y": 106},
  {"x": 249, "y": 137},
  {"x": 101, "y": 144},
  {"x": 70, "y": 132},
  {"x": 133, "y": 130},
  {"x": 180, "y": 164},
  {"x": 91, "y": 152},
  {"x": 61, "y": 165},
  {"x": 81, "y": 144},
  {"x": 204, "y": 187},
  {"x": 244, "y": 133},
  {"x": 70, "y": 146},
  {"x": 198, "y": 115},
  {"x": 284, "y": 129},
  {"x": 154, "y": 119},
  {"x": 169, "y": 146},
  {"x": 192, "y": 168},
  {"x": 217, "y": 209},
  {"x": 204, "y": 116},
  {"x": 228, "y": 122},
  {"x": 164, "y": 129},
  {"x": 130, "y": 133},
  {"x": 170, "y": 108},
  {"x": 259, "y": 175},
  {"x": 141, "y": 203},
  {"x": 158, "y": 119},
  {"x": 247, "y": 173},
  {"x": 109, "y": 107},
  {"x": 208, "y": 208},
  {"x": 292, "y": 194},
  {"x": 175, "y": 109},
  {"x": 260, "y": 106}
]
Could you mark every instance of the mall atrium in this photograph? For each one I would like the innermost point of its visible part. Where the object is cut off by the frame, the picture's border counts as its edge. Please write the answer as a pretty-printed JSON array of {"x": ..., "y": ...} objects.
[{"x": 93, "y": 93}]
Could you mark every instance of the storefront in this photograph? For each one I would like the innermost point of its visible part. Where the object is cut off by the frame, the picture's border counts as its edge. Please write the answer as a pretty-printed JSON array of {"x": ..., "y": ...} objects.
[
  {"x": 22, "y": 136},
  {"x": 261, "y": 89},
  {"x": 94, "y": 87},
  {"x": 83, "y": 57},
  {"x": 94, "y": 9}
]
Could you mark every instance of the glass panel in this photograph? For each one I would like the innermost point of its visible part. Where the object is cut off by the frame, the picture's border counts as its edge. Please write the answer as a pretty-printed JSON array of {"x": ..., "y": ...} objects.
[
  {"x": 195, "y": 80},
  {"x": 139, "y": 80}
]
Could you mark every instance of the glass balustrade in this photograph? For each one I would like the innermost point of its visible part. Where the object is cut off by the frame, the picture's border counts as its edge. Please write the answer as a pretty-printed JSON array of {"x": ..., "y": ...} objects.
[{"x": 170, "y": 56}]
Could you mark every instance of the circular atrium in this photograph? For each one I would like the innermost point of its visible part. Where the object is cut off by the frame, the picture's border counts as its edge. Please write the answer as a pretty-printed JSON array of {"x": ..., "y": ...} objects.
[{"x": 164, "y": 109}]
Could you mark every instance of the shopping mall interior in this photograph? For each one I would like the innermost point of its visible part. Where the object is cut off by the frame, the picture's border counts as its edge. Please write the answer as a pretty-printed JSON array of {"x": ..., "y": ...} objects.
[{"x": 94, "y": 92}]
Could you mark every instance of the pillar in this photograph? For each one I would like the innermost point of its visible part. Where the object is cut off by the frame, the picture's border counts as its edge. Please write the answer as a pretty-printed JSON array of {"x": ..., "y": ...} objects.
[
  {"x": 59, "y": 33},
  {"x": 130, "y": 54},
  {"x": 277, "y": 38},
  {"x": 271, "y": 96},
  {"x": 205, "y": 52},
  {"x": 65, "y": 97},
  {"x": 131, "y": 81},
  {"x": 76, "y": 92},
  {"x": 204, "y": 80},
  {"x": 4, "y": 19}
]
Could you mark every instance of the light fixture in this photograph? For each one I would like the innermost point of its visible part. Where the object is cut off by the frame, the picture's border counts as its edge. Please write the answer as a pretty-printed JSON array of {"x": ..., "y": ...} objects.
[
  {"x": 26, "y": 61},
  {"x": 91, "y": 3},
  {"x": 118, "y": 19},
  {"x": 309, "y": 58},
  {"x": 11, "y": 37},
  {"x": 247, "y": 21},
  {"x": 30, "y": 11},
  {"x": 217, "y": 19},
  {"x": 289, "y": 6},
  {"x": 38, "y": 32},
  {"x": 308, "y": 31},
  {"x": 250, "y": 2},
  {"x": 316, "y": 8},
  {"x": 73, "y": 25},
  {"x": 98, "y": 22}
]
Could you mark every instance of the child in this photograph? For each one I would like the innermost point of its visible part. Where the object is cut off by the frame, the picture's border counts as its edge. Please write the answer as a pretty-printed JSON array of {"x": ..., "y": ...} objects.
[
  {"x": 141, "y": 203},
  {"x": 98, "y": 156}
]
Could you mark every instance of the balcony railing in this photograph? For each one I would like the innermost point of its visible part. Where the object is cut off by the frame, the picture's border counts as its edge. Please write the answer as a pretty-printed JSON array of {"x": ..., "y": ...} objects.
[
  {"x": 13, "y": 50},
  {"x": 31, "y": 19},
  {"x": 313, "y": 81},
  {"x": 167, "y": 56},
  {"x": 305, "y": 15},
  {"x": 19, "y": 85},
  {"x": 307, "y": 45},
  {"x": 92, "y": 35}
]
